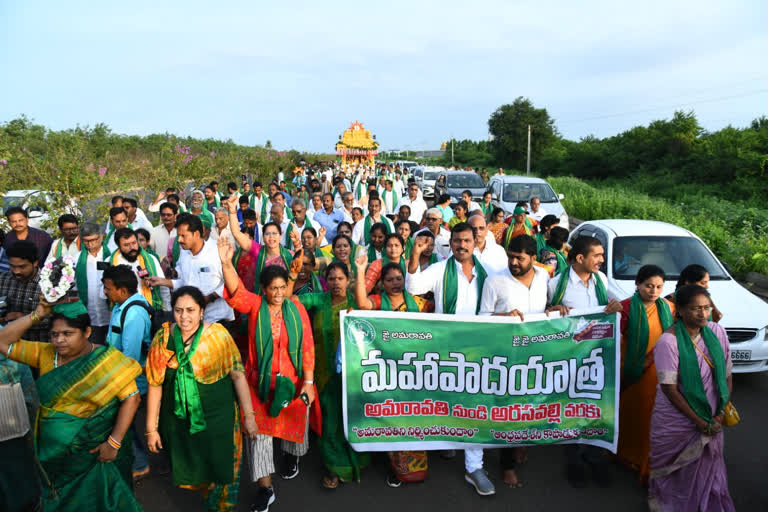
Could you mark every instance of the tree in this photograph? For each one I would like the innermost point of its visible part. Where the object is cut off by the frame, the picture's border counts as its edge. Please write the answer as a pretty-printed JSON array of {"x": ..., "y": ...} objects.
[{"x": 509, "y": 127}]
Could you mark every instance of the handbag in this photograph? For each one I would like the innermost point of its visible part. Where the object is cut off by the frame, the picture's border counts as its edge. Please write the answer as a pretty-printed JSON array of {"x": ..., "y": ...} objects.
[
  {"x": 284, "y": 393},
  {"x": 730, "y": 415},
  {"x": 14, "y": 418}
]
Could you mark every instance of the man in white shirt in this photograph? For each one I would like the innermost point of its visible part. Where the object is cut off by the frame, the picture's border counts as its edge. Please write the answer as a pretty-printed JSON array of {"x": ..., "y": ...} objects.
[
  {"x": 69, "y": 243},
  {"x": 199, "y": 266},
  {"x": 463, "y": 300},
  {"x": 490, "y": 254},
  {"x": 348, "y": 204},
  {"x": 361, "y": 235},
  {"x": 163, "y": 232},
  {"x": 417, "y": 204},
  {"x": 434, "y": 223},
  {"x": 93, "y": 296},
  {"x": 257, "y": 198},
  {"x": 276, "y": 216},
  {"x": 117, "y": 219},
  {"x": 221, "y": 226},
  {"x": 398, "y": 184},
  {"x": 578, "y": 289},
  {"x": 136, "y": 218},
  {"x": 390, "y": 198},
  {"x": 537, "y": 212}
]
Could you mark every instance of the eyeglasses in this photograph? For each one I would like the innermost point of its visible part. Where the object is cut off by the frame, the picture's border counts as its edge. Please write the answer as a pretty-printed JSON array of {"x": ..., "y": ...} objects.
[
  {"x": 700, "y": 309},
  {"x": 89, "y": 241},
  {"x": 433, "y": 219}
]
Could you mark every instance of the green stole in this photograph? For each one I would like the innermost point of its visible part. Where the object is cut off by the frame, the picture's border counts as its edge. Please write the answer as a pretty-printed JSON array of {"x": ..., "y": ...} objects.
[
  {"x": 264, "y": 201},
  {"x": 112, "y": 231},
  {"x": 451, "y": 285},
  {"x": 637, "y": 336},
  {"x": 408, "y": 248},
  {"x": 372, "y": 254},
  {"x": 81, "y": 272},
  {"x": 359, "y": 189},
  {"x": 393, "y": 195},
  {"x": 59, "y": 250},
  {"x": 541, "y": 242},
  {"x": 314, "y": 281},
  {"x": 511, "y": 229},
  {"x": 175, "y": 252},
  {"x": 410, "y": 304},
  {"x": 562, "y": 263},
  {"x": 367, "y": 228},
  {"x": 486, "y": 209},
  {"x": 562, "y": 283},
  {"x": 261, "y": 259},
  {"x": 264, "y": 344},
  {"x": 155, "y": 299},
  {"x": 186, "y": 397},
  {"x": 307, "y": 224},
  {"x": 326, "y": 310},
  {"x": 690, "y": 375},
  {"x": 385, "y": 260}
]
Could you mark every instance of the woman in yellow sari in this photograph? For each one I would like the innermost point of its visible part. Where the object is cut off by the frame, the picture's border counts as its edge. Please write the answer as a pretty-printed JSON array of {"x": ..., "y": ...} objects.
[
  {"x": 88, "y": 397},
  {"x": 646, "y": 315}
]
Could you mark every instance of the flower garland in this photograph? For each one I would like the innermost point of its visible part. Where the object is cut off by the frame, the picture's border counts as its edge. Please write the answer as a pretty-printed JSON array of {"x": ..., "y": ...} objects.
[{"x": 57, "y": 278}]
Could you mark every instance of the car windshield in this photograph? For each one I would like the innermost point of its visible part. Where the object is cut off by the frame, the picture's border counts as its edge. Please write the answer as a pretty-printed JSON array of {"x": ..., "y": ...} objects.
[
  {"x": 514, "y": 192},
  {"x": 10, "y": 201},
  {"x": 465, "y": 181},
  {"x": 430, "y": 175},
  {"x": 671, "y": 253}
]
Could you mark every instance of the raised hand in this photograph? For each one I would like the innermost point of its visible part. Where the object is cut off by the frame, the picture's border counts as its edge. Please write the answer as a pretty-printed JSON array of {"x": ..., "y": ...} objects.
[
  {"x": 226, "y": 251},
  {"x": 231, "y": 207},
  {"x": 420, "y": 245},
  {"x": 320, "y": 234},
  {"x": 361, "y": 262},
  {"x": 298, "y": 262}
]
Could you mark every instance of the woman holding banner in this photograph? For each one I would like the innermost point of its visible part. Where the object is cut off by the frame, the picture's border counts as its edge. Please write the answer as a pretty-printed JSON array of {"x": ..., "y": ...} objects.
[
  {"x": 693, "y": 364},
  {"x": 645, "y": 316},
  {"x": 406, "y": 466}
]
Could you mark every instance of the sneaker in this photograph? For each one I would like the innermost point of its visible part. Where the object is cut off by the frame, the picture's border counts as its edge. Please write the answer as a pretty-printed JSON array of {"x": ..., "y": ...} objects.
[
  {"x": 576, "y": 476},
  {"x": 291, "y": 468},
  {"x": 264, "y": 498},
  {"x": 393, "y": 481},
  {"x": 479, "y": 480}
]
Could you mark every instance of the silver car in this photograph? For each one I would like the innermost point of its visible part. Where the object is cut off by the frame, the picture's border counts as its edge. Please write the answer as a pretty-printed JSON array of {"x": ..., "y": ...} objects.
[
  {"x": 425, "y": 178},
  {"x": 507, "y": 191}
]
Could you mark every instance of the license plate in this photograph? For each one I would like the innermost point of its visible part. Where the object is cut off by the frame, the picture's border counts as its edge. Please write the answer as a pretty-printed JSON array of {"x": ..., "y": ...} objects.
[{"x": 741, "y": 355}]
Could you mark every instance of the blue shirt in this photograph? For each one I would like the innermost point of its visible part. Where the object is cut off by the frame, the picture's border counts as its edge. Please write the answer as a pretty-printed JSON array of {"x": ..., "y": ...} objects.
[
  {"x": 330, "y": 221},
  {"x": 135, "y": 332}
]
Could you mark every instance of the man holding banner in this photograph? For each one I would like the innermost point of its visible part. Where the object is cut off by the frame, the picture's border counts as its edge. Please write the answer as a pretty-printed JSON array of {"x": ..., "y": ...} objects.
[
  {"x": 457, "y": 284},
  {"x": 583, "y": 286}
]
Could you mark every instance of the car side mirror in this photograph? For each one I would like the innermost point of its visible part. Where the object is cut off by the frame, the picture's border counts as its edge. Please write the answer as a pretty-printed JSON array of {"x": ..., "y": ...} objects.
[
  {"x": 494, "y": 197},
  {"x": 561, "y": 196},
  {"x": 35, "y": 214}
]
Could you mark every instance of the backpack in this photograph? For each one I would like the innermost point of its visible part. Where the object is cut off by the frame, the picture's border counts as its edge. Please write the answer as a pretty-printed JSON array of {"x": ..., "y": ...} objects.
[{"x": 156, "y": 321}]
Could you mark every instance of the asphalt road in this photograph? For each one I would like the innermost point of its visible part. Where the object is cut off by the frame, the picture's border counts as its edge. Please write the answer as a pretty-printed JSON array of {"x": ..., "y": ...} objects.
[{"x": 543, "y": 475}]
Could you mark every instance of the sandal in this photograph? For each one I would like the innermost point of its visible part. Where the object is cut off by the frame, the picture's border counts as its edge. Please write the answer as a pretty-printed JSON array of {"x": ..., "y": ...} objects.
[
  {"x": 512, "y": 483},
  {"x": 330, "y": 481}
]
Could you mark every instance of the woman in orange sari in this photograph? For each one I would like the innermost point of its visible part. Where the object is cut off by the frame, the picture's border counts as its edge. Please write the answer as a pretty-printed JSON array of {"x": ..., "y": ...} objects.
[{"x": 646, "y": 315}]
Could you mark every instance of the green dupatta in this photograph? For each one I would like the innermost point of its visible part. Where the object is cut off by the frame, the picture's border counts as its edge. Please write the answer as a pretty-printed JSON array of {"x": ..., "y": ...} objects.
[
  {"x": 637, "y": 336},
  {"x": 186, "y": 396},
  {"x": 511, "y": 229},
  {"x": 690, "y": 375},
  {"x": 307, "y": 224},
  {"x": 451, "y": 285},
  {"x": 600, "y": 292},
  {"x": 261, "y": 259},
  {"x": 81, "y": 272},
  {"x": 410, "y": 303},
  {"x": 265, "y": 344},
  {"x": 368, "y": 223}
]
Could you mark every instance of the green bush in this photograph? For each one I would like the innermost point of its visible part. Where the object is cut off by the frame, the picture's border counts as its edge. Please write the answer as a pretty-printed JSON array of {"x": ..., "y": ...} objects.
[{"x": 736, "y": 233}]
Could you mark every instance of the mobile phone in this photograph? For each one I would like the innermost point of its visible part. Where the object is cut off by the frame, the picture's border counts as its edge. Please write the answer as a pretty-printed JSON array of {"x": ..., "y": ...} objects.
[{"x": 304, "y": 398}]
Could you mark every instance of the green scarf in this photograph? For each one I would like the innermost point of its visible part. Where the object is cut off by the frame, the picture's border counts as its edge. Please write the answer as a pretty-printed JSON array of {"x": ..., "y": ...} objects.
[
  {"x": 562, "y": 262},
  {"x": 541, "y": 242},
  {"x": 600, "y": 291},
  {"x": 154, "y": 298},
  {"x": 112, "y": 231},
  {"x": 385, "y": 260},
  {"x": 59, "y": 250},
  {"x": 264, "y": 201},
  {"x": 486, "y": 209},
  {"x": 367, "y": 228},
  {"x": 393, "y": 195},
  {"x": 690, "y": 375},
  {"x": 81, "y": 272},
  {"x": 372, "y": 254},
  {"x": 307, "y": 224},
  {"x": 451, "y": 285},
  {"x": 360, "y": 188},
  {"x": 175, "y": 252},
  {"x": 637, "y": 336},
  {"x": 511, "y": 229},
  {"x": 314, "y": 283},
  {"x": 408, "y": 248},
  {"x": 186, "y": 396},
  {"x": 410, "y": 304},
  {"x": 261, "y": 259},
  {"x": 265, "y": 344}
]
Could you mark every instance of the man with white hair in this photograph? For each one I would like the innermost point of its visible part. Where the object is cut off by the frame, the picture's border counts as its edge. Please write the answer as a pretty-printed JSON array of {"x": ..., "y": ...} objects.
[
  {"x": 197, "y": 207},
  {"x": 491, "y": 255},
  {"x": 434, "y": 224}
]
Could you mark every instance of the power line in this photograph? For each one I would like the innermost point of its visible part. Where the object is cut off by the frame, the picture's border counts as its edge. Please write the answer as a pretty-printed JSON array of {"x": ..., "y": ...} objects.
[{"x": 679, "y": 106}]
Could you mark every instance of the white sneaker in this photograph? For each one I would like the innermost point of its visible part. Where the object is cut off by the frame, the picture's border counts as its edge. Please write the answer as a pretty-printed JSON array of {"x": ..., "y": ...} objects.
[{"x": 479, "y": 480}]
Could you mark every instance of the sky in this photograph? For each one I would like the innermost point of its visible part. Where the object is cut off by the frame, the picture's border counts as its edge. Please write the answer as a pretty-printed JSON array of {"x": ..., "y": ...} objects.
[{"x": 415, "y": 73}]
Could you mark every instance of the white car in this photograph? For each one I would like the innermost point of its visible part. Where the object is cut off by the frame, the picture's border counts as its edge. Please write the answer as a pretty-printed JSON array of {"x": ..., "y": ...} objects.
[
  {"x": 36, "y": 204},
  {"x": 425, "y": 177},
  {"x": 630, "y": 244},
  {"x": 507, "y": 191}
]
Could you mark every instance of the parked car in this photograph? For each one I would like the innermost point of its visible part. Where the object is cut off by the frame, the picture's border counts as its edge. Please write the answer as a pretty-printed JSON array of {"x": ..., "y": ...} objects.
[
  {"x": 507, "y": 191},
  {"x": 630, "y": 244},
  {"x": 425, "y": 177},
  {"x": 36, "y": 204},
  {"x": 454, "y": 183}
]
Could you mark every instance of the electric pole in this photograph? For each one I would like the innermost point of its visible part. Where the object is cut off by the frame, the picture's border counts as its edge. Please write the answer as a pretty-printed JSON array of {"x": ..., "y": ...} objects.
[
  {"x": 451, "y": 150},
  {"x": 528, "y": 163}
]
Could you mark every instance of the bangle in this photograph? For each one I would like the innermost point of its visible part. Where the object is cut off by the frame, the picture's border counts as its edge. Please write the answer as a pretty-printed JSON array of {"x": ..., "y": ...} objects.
[
  {"x": 34, "y": 317},
  {"x": 114, "y": 444},
  {"x": 309, "y": 382},
  {"x": 147, "y": 434},
  {"x": 291, "y": 277}
]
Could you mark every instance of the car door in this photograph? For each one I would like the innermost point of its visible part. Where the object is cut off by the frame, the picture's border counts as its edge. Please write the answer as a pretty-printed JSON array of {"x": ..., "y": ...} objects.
[
  {"x": 495, "y": 188},
  {"x": 603, "y": 237}
]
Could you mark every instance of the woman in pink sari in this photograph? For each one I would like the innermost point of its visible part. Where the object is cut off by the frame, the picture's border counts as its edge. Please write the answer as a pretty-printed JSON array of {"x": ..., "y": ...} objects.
[{"x": 693, "y": 364}]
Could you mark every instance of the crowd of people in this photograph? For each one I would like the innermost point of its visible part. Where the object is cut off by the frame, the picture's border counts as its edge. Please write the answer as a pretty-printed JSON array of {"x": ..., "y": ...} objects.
[{"x": 216, "y": 331}]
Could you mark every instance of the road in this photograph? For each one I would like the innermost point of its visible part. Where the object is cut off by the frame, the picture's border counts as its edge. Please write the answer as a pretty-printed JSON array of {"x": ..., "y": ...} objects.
[{"x": 545, "y": 485}]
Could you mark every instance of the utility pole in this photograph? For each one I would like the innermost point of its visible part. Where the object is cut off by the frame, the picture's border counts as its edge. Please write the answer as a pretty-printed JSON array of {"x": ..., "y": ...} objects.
[
  {"x": 451, "y": 150},
  {"x": 528, "y": 163}
]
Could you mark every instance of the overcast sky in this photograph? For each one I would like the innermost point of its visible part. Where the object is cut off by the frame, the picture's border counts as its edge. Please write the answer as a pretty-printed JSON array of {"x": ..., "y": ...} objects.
[{"x": 414, "y": 72}]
